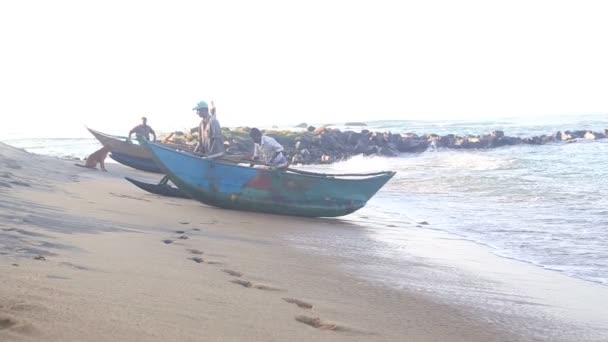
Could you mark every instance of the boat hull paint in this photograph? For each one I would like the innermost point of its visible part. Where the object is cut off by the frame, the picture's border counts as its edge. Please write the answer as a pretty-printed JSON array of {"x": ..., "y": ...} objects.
[
  {"x": 142, "y": 164},
  {"x": 270, "y": 191}
]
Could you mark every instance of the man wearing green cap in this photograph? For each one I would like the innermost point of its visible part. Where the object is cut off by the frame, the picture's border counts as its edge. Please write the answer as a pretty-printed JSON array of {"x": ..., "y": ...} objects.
[{"x": 210, "y": 140}]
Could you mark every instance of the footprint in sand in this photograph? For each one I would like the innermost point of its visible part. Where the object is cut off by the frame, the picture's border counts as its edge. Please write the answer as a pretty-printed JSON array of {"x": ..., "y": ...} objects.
[
  {"x": 195, "y": 251},
  {"x": 243, "y": 283},
  {"x": 183, "y": 237},
  {"x": 21, "y": 183},
  {"x": 11, "y": 163},
  {"x": 74, "y": 266},
  {"x": 233, "y": 273},
  {"x": 6, "y": 323},
  {"x": 167, "y": 241},
  {"x": 184, "y": 222},
  {"x": 196, "y": 230},
  {"x": 51, "y": 276},
  {"x": 6, "y": 175},
  {"x": 179, "y": 232},
  {"x": 299, "y": 303},
  {"x": 316, "y": 322},
  {"x": 248, "y": 284},
  {"x": 198, "y": 260},
  {"x": 129, "y": 197}
]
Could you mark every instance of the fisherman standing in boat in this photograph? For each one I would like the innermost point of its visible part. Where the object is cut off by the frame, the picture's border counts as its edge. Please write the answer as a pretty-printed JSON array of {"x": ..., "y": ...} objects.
[
  {"x": 210, "y": 142},
  {"x": 143, "y": 131},
  {"x": 267, "y": 150}
]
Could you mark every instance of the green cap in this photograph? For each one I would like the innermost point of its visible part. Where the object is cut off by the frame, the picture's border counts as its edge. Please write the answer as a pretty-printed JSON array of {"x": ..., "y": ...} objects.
[{"x": 200, "y": 105}]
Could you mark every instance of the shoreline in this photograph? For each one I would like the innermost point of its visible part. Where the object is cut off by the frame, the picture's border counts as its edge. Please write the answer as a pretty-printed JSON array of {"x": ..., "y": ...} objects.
[{"x": 106, "y": 254}]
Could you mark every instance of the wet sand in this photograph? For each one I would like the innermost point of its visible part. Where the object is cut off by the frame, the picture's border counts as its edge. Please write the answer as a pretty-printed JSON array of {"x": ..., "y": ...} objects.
[{"x": 84, "y": 255}]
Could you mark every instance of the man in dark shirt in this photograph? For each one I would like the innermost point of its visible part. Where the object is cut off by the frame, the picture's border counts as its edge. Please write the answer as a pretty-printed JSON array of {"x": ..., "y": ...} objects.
[{"x": 143, "y": 131}]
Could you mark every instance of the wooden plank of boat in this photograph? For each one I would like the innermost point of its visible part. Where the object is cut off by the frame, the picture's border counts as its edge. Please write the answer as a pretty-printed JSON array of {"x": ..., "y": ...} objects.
[
  {"x": 284, "y": 192},
  {"x": 159, "y": 189}
]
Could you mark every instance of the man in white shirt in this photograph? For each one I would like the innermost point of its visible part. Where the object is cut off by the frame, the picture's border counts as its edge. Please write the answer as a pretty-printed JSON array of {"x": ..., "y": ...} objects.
[{"x": 267, "y": 150}]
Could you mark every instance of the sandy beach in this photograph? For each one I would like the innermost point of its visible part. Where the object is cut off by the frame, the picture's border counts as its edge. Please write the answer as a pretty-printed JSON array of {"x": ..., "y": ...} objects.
[{"x": 86, "y": 256}]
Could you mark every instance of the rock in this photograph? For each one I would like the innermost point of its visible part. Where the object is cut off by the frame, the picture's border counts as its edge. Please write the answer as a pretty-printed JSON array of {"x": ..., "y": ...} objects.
[
  {"x": 497, "y": 134},
  {"x": 557, "y": 136},
  {"x": 412, "y": 145},
  {"x": 378, "y": 139},
  {"x": 328, "y": 141},
  {"x": 458, "y": 142},
  {"x": 388, "y": 152},
  {"x": 590, "y": 135},
  {"x": 327, "y": 145},
  {"x": 433, "y": 137},
  {"x": 447, "y": 140},
  {"x": 567, "y": 135},
  {"x": 322, "y": 129},
  {"x": 393, "y": 138},
  {"x": 545, "y": 139},
  {"x": 352, "y": 137},
  {"x": 532, "y": 140},
  {"x": 372, "y": 150},
  {"x": 362, "y": 145},
  {"x": 302, "y": 125},
  {"x": 508, "y": 141},
  {"x": 304, "y": 141},
  {"x": 579, "y": 134},
  {"x": 316, "y": 140}
]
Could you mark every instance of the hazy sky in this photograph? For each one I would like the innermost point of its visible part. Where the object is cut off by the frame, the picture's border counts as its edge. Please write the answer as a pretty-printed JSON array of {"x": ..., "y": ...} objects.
[{"x": 107, "y": 63}]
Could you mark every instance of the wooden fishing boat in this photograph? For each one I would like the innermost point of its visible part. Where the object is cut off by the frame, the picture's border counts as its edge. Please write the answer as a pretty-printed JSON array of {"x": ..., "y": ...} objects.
[
  {"x": 284, "y": 192},
  {"x": 132, "y": 154},
  {"x": 127, "y": 152}
]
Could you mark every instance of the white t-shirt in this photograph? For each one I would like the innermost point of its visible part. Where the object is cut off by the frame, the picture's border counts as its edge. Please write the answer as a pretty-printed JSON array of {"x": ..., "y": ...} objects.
[{"x": 267, "y": 149}]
